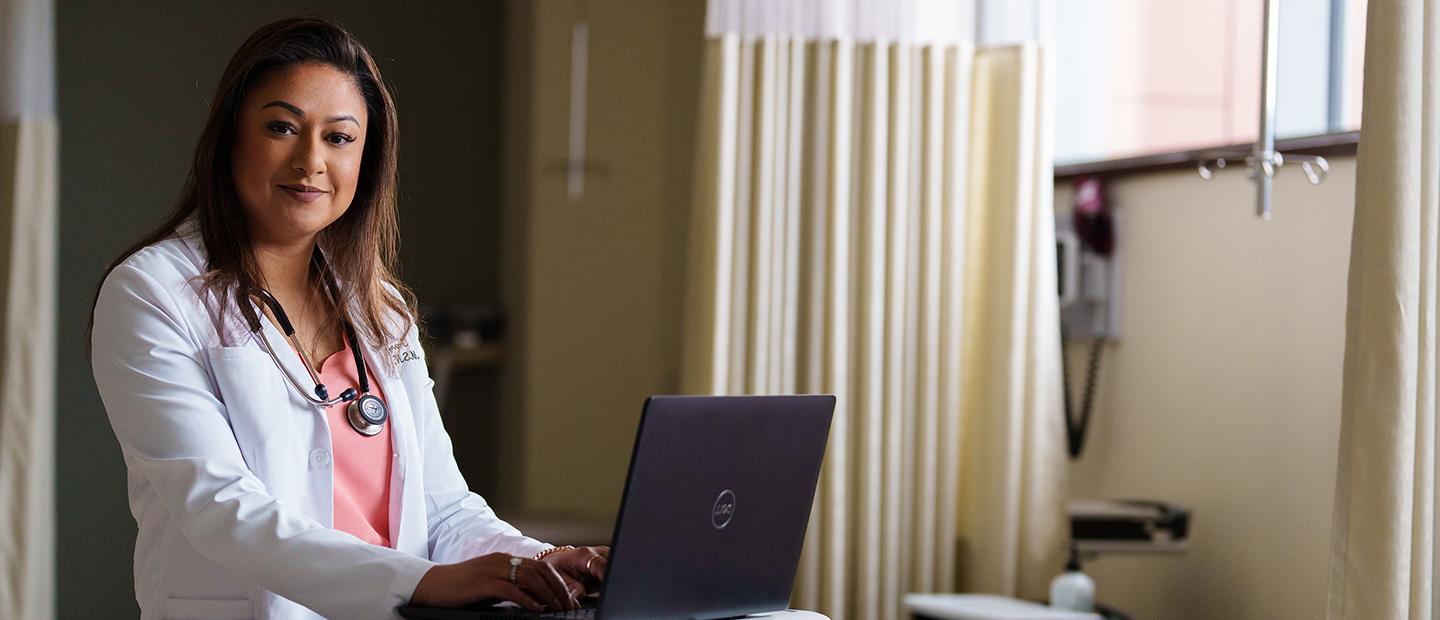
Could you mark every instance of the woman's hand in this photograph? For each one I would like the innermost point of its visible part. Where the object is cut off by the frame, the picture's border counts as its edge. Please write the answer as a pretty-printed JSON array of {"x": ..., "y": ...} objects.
[
  {"x": 537, "y": 587},
  {"x": 581, "y": 568}
]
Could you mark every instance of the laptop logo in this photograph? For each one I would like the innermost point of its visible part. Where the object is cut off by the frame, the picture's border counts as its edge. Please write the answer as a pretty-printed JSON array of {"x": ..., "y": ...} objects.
[{"x": 724, "y": 509}]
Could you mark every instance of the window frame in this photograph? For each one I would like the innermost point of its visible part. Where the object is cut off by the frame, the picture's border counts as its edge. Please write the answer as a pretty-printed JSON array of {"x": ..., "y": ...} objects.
[
  {"x": 1336, "y": 142},
  {"x": 1343, "y": 143}
]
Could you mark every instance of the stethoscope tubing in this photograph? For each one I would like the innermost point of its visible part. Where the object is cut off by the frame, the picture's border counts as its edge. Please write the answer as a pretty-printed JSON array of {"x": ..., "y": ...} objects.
[
  {"x": 346, "y": 396},
  {"x": 366, "y": 412}
]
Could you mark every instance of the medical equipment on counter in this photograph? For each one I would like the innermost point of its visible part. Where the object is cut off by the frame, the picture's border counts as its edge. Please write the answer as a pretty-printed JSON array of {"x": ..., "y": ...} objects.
[
  {"x": 1073, "y": 590},
  {"x": 986, "y": 607},
  {"x": 1129, "y": 526}
]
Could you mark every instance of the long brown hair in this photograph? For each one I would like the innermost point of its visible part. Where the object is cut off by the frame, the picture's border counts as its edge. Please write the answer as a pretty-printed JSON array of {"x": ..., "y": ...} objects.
[{"x": 360, "y": 248}]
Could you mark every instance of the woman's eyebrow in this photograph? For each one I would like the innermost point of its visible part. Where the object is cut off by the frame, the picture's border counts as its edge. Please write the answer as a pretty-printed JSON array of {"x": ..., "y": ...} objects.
[{"x": 301, "y": 113}]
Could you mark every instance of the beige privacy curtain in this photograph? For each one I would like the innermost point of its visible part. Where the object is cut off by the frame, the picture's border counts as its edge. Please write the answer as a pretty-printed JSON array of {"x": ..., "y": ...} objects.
[
  {"x": 28, "y": 157},
  {"x": 874, "y": 220},
  {"x": 1383, "y": 554}
]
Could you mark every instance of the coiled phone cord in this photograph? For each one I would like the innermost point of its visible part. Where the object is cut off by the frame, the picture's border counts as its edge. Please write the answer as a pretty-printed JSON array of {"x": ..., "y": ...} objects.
[{"x": 1075, "y": 429}]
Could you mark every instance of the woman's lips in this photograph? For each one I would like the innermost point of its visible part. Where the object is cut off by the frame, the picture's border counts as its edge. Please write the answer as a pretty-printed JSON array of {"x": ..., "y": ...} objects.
[{"x": 303, "y": 193}]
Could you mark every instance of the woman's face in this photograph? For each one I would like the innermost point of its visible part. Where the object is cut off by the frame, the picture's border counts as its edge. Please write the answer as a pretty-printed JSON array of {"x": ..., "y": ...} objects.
[{"x": 298, "y": 144}]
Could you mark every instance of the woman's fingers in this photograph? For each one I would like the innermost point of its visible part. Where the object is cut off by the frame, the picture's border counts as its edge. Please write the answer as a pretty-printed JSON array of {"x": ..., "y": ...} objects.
[
  {"x": 557, "y": 584},
  {"x": 593, "y": 563},
  {"x": 521, "y": 583},
  {"x": 576, "y": 588},
  {"x": 515, "y": 594},
  {"x": 542, "y": 582},
  {"x": 534, "y": 585},
  {"x": 595, "y": 566}
]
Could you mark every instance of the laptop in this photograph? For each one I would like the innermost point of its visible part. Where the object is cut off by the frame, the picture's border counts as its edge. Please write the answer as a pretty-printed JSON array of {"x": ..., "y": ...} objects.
[{"x": 713, "y": 514}]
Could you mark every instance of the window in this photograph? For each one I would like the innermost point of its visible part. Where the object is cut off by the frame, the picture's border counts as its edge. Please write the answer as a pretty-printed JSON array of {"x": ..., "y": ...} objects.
[{"x": 1138, "y": 77}]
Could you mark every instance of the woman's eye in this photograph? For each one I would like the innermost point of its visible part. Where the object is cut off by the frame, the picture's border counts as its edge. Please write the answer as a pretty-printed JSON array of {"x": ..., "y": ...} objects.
[
  {"x": 281, "y": 128},
  {"x": 339, "y": 138}
]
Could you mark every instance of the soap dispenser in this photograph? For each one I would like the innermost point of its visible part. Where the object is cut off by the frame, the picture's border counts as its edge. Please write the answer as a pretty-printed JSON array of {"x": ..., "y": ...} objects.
[{"x": 1073, "y": 590}]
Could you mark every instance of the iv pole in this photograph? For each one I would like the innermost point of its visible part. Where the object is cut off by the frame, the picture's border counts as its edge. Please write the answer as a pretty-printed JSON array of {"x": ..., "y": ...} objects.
[{"x": 1263, "y": 162}]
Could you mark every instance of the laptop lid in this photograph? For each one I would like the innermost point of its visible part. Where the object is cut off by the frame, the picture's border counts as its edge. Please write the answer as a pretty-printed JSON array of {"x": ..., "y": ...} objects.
[{"x": 715, "y": 507}]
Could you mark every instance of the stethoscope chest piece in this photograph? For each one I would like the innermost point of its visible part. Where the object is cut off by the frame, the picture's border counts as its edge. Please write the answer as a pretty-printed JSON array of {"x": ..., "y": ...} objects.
[{"x": 367, "y": 414}]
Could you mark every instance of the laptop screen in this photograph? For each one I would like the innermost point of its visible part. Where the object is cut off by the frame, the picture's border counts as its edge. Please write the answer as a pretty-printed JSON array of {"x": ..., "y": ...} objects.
[{"x": 716, "y": 505}]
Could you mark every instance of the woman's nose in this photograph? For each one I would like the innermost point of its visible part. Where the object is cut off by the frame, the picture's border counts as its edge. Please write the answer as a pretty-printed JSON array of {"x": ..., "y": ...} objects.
[{"x": 309, "y": 160}]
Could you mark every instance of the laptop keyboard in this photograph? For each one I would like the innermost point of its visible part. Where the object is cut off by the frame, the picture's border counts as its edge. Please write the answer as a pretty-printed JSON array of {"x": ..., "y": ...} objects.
[
  {"x": 509, "y": 614},
  {"x": 487, "y": 611}
]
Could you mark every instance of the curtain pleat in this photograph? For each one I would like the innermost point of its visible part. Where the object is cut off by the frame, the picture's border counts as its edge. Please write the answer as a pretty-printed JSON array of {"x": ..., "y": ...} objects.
[
  {"x": 28, "y": 237},
  {"x": 1012, "y": 477},
  {"x": 1383, "y": 556},
  {"x": 926, "y": 452},
  {"x": 29, "y": 161},
  {"x": 873, "y": 221},
  {"x": 954, "y": 256},
  {"x": 810, "y": 226},
  {"x": 1042, "y": 545},
  {"x": 840, "y": 316},
  {"x": 895, "y": 362}
]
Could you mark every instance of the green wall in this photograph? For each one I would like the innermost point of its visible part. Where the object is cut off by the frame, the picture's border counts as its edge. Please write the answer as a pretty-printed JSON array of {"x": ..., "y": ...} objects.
[{"x": 134, "y": 82}]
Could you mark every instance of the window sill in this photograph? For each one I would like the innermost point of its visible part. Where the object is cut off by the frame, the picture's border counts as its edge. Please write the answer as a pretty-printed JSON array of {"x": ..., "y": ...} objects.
[{"x": 1330, "y": 144}]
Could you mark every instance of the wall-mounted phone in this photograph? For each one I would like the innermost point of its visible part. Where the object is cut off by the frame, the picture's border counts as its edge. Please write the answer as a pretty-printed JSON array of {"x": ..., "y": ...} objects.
[
  {"x": 1087, "y": 256},
  {"x": 1087, "y": 253}
]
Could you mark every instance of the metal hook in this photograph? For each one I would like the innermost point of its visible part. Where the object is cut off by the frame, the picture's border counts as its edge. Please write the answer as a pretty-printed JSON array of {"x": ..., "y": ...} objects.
[
  {"x": 1270, "y": 166},
  {"x": 1258, "y": 164},
  {"x": 1315, "y": 168},
  {"x": 1204, "y": 167}
]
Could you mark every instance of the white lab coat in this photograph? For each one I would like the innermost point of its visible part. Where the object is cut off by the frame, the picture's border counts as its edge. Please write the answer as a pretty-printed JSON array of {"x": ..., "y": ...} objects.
[{"x": 229, "y": 468}]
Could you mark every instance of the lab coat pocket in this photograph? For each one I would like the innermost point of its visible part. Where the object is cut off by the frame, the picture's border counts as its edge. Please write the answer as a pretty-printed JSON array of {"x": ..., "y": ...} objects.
[{"x": 207, "y": 609}]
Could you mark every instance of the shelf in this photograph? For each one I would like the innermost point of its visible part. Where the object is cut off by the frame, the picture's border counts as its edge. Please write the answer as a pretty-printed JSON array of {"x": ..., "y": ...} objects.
[
  {"x": 478, "y": 356},
  {"x": 1132, "y": 546}
]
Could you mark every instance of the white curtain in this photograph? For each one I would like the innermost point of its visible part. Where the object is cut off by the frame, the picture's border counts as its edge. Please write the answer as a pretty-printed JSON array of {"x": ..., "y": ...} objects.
[
  {"x": 1383, "y": 555},
  {"x": 874, "y": 220},
  {"x": 28, "y": 241}
]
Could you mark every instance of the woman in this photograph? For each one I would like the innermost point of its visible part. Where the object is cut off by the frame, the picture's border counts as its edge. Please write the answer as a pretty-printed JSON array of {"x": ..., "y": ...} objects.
[{"x": 260, "y": 364}]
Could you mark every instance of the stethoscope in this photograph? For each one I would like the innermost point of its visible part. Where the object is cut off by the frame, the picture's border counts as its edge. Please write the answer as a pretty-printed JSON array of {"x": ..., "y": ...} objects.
[{"x": 366, "y": 412}]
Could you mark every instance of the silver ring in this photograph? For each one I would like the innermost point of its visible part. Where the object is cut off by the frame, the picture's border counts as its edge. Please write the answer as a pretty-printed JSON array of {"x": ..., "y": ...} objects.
[{"x": 514, "y": 566}]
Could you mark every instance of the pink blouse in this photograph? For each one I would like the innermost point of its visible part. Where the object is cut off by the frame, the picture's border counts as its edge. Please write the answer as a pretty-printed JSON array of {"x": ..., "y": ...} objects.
[{"x": 362, "y": 464}]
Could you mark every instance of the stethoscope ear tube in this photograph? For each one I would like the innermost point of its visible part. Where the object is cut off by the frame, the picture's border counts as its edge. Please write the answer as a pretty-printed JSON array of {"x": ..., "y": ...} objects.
[{"x": 275, "y": 309}]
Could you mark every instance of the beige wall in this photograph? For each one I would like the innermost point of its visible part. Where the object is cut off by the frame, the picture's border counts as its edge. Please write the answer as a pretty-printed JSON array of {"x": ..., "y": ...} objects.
[
  {"x": 1223, "y": 393},
  {"x": 600, "y": 279}
]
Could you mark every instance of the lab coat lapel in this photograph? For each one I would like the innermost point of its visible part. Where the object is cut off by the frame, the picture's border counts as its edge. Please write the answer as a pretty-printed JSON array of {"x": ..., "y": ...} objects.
[
  {"x": 403, "y": 442},
  {"x": 234, "y": 332}
]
